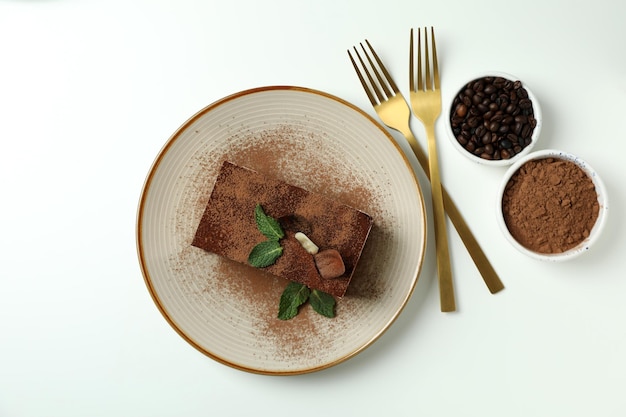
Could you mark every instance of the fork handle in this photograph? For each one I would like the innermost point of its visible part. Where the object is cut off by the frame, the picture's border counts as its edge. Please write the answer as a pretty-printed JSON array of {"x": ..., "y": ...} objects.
[
  {"x": 444, "y": 269},
  {"x": 490, "y": 276}
]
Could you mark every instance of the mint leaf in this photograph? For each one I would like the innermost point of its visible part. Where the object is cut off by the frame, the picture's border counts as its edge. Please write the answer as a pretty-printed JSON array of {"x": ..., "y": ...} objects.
[
  {"x": 322, "y": 303},
  {"x": 267, "y": 225},
  {"x": 292, "y": 298},
  {"x": 265, "y": 253}
]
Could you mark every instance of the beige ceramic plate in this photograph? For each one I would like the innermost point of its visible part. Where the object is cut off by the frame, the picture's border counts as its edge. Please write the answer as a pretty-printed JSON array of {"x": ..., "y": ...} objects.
[{"x": 310, "y": 139}]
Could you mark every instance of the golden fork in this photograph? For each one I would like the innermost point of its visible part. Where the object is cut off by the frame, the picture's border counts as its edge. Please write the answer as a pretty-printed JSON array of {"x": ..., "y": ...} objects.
[
  {"x": 394, "y": 112},
  {"x": 426, "y": 104}
]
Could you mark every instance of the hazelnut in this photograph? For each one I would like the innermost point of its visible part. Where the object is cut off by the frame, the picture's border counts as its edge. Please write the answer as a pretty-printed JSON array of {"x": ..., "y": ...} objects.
[{"x": 329, "y": 264}]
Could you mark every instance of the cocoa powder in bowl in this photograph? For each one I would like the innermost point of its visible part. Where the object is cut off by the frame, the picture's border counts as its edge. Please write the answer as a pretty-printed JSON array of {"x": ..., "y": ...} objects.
[{"x": 550, "y": 203}]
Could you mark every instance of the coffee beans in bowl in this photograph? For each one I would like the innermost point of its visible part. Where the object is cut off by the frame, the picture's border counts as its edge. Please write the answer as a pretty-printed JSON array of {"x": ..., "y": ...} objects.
[
  {"x": 552, "y": 205},
  {"x": 494, "y": 119}
]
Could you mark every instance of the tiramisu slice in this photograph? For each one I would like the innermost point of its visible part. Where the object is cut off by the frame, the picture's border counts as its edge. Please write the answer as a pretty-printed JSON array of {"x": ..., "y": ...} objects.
[{"x": 229, "y": 227}]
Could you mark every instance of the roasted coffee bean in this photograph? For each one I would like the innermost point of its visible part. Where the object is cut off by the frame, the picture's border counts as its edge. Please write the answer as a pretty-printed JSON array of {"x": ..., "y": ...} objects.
[
  {"x": 461, "y": 110},
  {"x": 497, "y": 117},
  {"x": 525, "y": 103},
  {"x": 493, "y": 117},
  {"x": 506, "y": 144},
  {"x": 512, "y": 138}
]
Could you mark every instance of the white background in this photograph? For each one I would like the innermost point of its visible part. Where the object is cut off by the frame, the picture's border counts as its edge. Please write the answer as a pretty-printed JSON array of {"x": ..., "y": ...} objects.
[{"x": 91, "y": 90}]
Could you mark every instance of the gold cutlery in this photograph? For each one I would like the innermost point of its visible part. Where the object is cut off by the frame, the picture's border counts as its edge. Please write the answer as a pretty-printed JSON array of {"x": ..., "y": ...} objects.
[
  {"x": 426, "y": 104},
  {"x": 394, "y": 112}
]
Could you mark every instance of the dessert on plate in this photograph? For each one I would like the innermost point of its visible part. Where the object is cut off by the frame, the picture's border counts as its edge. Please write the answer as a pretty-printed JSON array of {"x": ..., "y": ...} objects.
[{"x": 319, "y": 240}]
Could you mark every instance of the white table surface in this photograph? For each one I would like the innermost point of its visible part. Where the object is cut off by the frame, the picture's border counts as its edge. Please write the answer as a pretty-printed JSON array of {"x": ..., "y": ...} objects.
[{"x": 91, "y": 90}]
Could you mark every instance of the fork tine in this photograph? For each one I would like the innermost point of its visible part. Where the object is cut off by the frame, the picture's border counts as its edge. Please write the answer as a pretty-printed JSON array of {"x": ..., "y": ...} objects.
[
  {"x": 411, "y": 64},
  {"x": 420, "y": 80},
  {"x": 381, "y": 81},
  {"x": 435, "y": 63},
  {"x": 382, "y": 67},
  {"x": 426, "y": 80},
  {"x": 429, "y": 84},
  {"x": 378, "y": 87},
  {"x": 366, "y": 87}
]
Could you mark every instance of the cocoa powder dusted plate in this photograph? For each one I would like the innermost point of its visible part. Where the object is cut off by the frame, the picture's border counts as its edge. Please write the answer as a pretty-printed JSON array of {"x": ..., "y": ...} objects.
[
  {"x": 312, "y": 140},
  {"x": 552, "y": 205}
]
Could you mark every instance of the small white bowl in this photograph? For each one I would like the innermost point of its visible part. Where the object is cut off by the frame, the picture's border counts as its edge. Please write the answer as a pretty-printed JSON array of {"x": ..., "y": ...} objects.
[
  {"x": 583, "y": 246},
  {"x": 498, "y": 162}
]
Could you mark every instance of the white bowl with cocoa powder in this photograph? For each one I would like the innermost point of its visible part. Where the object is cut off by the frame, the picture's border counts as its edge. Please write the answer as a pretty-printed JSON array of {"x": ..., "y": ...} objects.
[
  {"x": 552, "y": 205},
  {"x": 493, "y": 119}
]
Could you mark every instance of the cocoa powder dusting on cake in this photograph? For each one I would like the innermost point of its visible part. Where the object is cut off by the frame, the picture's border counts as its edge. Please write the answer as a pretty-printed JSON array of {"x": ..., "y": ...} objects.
[{"x": 228, "y": 226}]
